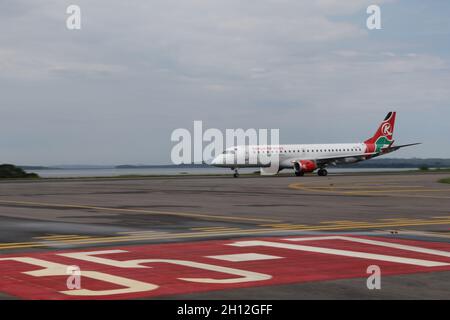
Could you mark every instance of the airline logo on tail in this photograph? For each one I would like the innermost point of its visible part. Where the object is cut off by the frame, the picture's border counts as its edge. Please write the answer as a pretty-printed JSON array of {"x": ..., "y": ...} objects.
[
  {"x": 387, "y": 129},
  {"x": 384, "y": 136}
]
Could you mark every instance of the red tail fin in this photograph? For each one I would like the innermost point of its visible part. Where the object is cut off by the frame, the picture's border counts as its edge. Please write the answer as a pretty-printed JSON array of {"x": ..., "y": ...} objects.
[{"x": 385, "y": 132}]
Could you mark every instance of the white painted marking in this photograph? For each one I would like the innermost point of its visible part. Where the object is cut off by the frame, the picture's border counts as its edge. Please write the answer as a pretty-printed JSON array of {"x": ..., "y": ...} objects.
[
  {"x": 240, "y": 257},
  {"x": 346, "y": 253},
  {"x": 243, "y": 275},
  {"x": 379, "y": 243},
  {"x": 50, "y": 269}
]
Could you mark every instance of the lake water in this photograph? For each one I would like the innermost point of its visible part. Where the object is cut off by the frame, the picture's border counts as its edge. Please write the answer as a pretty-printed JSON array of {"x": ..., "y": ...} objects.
[{"x": 111, "y": 172}]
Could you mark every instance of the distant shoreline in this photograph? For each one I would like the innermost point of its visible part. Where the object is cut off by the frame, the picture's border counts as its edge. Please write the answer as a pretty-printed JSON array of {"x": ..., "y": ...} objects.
[{"x": 381, "y": 163}]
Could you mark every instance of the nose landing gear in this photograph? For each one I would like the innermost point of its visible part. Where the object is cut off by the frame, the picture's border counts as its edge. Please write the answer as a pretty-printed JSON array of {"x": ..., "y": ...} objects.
[
  {"x": 299, "y": 173},
  {"x": 236, "y": 172}
]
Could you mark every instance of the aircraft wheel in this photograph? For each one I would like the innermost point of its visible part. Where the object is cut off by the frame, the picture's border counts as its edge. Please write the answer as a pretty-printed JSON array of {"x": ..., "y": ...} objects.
[
  {"x": 322, "y": 172},
  {"x": 299, "y": 173}
]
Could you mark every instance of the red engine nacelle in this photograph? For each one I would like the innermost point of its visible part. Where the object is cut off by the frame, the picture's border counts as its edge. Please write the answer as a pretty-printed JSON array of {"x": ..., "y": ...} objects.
[{"x": 305, "y": 166}]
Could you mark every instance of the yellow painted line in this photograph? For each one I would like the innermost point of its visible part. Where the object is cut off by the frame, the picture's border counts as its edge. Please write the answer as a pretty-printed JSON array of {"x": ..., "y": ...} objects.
[
  {"x": 136, "y": 238},
  {"x": 377, "y": 224},
  {"x": 296, "y": 226},
  {"x": 224, "y": 229},
  {"x": 78, "y": 240},
  {"x": 143, "y": 232},
  {"x": 293, "y": 227},
  {"x": 63, "y": 239},
  {"x": 382, "y": 225},
  {"x": 281, "y": 225},
  {"x": 392, "y": 190},
  {"x": 275, "y": 225},
  {"x": 395, "y": 219},
  {"x": 383, "y": 185},
  {"x": 217, "y": 230},
  {"x": 370, "y": 191},
  {"x": 181, "y": 214},
  {"x": 6, "y": 244},
  {"x": 57, "y": 236},
  {"x": 30, "y": 245},
  {"x": 353, "y": 187},
  {"x": 113, "y": 239},
  {"x": 241, "y": 232},
  {"x": 211, "y": 228},
  {"x": 299, "y": 186},
  {"x": 337, "y": 221},
  {"x": 345, "y": 222},
  {"x": 369, "y": 226},
  {"x": 403, "y": 220}
]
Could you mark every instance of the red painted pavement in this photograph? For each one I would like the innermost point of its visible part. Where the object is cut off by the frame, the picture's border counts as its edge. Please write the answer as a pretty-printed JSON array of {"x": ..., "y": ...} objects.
[{"x": 294, "y": 267}]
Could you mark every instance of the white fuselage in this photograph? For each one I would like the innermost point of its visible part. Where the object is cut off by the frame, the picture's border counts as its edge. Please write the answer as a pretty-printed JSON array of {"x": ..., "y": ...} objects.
[{"x": 256, "y": 156}]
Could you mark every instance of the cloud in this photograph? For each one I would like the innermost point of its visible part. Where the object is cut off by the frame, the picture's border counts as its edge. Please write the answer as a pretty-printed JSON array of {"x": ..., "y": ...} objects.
[{"x": 114, "y": 91}]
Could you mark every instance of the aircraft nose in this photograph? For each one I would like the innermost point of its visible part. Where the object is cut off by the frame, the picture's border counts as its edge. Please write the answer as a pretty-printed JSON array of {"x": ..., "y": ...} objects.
[{"x": 217, "y": 160}]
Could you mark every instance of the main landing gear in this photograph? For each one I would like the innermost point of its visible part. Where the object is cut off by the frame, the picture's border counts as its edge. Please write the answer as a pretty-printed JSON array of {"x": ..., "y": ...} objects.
[
  {"x": 236, "y": 173},
  {"x": 321, "y": 172}
]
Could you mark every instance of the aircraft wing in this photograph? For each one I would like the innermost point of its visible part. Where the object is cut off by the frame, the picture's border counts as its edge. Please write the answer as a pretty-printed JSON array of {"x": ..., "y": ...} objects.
[
  {"x": 394, "y": 148},
  {"x": 341, "y": 159},
  {"x": 345, "y": 159}
]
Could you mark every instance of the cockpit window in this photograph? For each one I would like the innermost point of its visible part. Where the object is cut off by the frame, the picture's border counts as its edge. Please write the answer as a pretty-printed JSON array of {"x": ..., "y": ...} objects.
[{"x": 228, "y": 152}]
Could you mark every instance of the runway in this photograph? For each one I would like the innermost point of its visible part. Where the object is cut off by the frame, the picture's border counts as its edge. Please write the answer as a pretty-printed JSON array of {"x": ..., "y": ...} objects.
[{"x": 405, "y": 216}]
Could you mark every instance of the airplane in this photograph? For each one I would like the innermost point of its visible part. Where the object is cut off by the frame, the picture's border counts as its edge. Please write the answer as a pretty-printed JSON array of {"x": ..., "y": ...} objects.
[{"x": 307, "y": 158}]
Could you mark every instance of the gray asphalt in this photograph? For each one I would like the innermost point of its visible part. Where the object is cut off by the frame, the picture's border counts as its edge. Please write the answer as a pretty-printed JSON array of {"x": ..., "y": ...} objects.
[{"x": 30, "y": 210}]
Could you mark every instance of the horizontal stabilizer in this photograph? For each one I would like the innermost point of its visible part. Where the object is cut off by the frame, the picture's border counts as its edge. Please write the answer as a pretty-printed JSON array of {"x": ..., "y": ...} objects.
[{"x": 394, "y": 148}]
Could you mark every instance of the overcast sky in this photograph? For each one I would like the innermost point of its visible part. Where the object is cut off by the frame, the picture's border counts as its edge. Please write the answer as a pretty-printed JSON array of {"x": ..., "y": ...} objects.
[{"x": 113, "y": 92}]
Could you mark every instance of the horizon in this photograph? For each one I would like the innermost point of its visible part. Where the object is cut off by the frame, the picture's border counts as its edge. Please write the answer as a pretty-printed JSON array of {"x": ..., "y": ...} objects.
[{"x": 93, "y": 166}]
